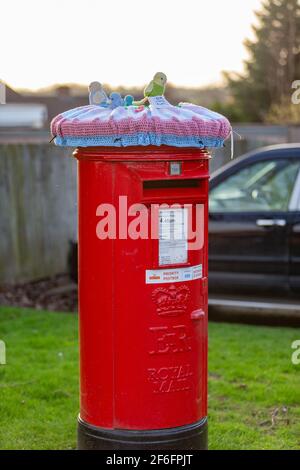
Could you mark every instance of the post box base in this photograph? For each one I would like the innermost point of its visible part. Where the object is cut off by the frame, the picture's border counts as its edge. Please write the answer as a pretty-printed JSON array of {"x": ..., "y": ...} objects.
[{"x": 190, "y": 437}]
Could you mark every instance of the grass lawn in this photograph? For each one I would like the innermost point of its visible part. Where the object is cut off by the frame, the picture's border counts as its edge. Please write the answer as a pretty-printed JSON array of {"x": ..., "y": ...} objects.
[{"x": 254, "y": 393}]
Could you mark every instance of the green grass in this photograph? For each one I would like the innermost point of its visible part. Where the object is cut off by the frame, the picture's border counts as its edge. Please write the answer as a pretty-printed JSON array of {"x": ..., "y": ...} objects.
[
  {"x": 251, "y": 376},
  {"x": 39, "y": 384}
]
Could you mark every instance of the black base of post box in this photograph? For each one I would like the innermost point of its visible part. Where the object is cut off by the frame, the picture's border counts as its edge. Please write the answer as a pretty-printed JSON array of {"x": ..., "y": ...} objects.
[{"x": 190, "y": 437}]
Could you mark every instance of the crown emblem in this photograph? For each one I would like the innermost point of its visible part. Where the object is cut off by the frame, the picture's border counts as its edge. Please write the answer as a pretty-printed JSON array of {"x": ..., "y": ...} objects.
[{"x": 171, "y": 301}]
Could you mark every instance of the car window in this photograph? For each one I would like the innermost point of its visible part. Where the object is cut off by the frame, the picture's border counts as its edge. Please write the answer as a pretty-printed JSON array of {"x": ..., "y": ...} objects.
[{"x": 263, "y": 186}]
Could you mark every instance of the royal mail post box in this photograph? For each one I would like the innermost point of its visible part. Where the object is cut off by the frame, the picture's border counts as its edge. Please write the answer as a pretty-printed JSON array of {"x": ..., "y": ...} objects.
[{"x": 143, "y": 215}]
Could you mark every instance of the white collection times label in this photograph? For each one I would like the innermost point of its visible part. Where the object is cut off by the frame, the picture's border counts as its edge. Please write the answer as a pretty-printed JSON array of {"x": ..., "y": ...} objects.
[{"x": 173, "y": 236}]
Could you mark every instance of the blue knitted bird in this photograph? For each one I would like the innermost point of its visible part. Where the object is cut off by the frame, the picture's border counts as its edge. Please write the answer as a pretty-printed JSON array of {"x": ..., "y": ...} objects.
[
  {"x": 128, "y": 100},
  {"x": 116, "y": 100}
]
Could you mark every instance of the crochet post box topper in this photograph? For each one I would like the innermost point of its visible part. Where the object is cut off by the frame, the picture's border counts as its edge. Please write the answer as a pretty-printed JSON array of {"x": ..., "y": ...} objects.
[{"x": 121, "y": 122}]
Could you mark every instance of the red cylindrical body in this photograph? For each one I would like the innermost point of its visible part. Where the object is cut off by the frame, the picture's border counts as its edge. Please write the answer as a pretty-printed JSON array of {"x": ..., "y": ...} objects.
[{"x": 142, "y": 300}]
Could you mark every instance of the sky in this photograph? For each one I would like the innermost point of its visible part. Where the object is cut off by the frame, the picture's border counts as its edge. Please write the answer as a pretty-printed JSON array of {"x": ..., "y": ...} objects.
[{"x": 122, "y": 42}]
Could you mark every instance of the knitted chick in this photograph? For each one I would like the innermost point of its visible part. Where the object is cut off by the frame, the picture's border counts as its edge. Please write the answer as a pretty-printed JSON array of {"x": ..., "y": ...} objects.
[
  {"x": 155, "y": 88},
  {"x": 128, "y": 100},
  {"x": 115, "y": 100},
  {"x": 97, "y": 95}
]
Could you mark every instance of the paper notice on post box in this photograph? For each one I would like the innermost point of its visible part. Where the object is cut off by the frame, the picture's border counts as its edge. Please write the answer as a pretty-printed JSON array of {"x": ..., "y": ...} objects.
[{"x": 173, "y": 236}]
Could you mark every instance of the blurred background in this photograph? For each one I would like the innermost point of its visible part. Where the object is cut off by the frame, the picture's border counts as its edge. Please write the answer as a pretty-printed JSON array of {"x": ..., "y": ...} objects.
[{"x": 241, "y": 59}]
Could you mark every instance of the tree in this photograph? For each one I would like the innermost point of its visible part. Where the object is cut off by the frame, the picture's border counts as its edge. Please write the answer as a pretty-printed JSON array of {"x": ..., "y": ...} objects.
[
  {"x": 284, "y": 112},
  {"x": 274, "y": 60}
]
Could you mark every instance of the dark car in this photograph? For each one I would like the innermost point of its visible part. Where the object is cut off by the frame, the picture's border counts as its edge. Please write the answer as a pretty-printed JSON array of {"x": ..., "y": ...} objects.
[
  {"x": 254, "y": 226},
  {"x": 254, "y": 223}
]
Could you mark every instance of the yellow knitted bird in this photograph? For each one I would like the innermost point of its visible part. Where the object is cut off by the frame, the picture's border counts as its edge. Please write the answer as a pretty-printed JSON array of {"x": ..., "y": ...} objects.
[{"x": 155, "y": 88}]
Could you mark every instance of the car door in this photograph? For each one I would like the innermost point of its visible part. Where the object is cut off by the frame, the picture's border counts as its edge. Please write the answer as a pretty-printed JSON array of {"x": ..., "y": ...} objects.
[
  {"x": 249, "y": 226},
  {"x": 294, "y": 240}
]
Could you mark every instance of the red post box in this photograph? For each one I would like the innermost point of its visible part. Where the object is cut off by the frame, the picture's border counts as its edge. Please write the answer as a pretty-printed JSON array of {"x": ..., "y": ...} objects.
[{"x": 143, "y": 297}]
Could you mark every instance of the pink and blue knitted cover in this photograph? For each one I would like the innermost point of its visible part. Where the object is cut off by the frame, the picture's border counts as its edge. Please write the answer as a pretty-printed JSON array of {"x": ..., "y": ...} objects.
[{"x": 186, "y": 125}]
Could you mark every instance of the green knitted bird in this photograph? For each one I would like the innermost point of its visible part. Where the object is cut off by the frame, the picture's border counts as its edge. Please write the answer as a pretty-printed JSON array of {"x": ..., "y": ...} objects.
[{"x": 155, "y": 88}]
